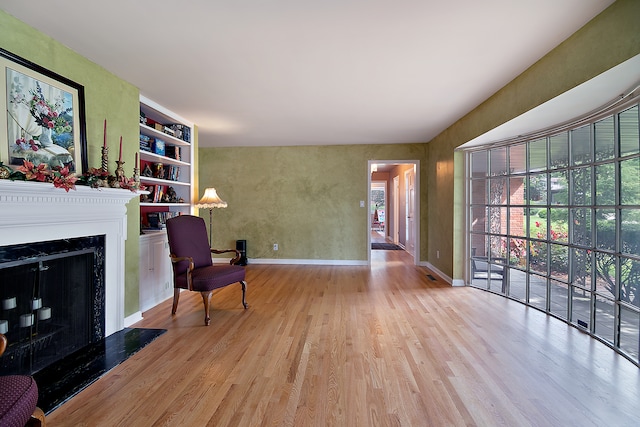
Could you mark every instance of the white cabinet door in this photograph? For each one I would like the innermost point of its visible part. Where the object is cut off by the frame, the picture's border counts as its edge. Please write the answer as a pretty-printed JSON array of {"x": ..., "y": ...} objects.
[{"x": 156, "y": 282}]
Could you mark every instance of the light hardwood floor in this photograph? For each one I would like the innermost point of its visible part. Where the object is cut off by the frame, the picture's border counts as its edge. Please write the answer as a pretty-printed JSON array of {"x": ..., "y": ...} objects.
[{"x": 360, "y": 346}]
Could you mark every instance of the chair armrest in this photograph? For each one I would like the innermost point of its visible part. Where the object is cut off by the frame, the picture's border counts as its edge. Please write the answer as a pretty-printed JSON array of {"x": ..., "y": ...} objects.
[
  {"x": 222, "y": 251},
  {"x": 176, "y": 259}
]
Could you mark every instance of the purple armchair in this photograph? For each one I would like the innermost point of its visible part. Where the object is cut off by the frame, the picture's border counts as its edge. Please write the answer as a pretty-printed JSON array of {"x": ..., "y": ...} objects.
[
  {"x": 18, "y": 398},
  {"x": 193, "y": 268}
]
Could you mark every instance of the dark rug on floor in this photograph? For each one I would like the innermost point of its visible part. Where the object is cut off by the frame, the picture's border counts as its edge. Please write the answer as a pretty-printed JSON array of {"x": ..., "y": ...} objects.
[
  {"x": 67, "y": 377},
  {"x": 386, "y": 246}
]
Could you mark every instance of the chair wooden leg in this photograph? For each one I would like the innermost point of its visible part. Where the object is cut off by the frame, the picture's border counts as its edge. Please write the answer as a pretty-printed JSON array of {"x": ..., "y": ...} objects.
[
  {"x": 37, "y": 419},
  {"x": 244, "y": 293},
  {"x": 176, "y": 297},
  {"x": 206, "y": 299}
]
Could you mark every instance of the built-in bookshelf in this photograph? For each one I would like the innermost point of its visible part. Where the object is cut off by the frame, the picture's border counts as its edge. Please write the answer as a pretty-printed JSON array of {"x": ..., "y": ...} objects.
[{"x": 166, "y": 152}]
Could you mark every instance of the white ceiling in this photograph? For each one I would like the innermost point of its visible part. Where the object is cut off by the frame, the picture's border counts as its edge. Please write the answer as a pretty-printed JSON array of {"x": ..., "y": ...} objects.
[{"x": 299, "y": 72}]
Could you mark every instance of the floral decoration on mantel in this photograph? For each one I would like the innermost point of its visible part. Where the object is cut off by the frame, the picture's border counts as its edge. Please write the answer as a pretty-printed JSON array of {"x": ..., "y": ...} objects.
[{"x": 60, "y": 177}]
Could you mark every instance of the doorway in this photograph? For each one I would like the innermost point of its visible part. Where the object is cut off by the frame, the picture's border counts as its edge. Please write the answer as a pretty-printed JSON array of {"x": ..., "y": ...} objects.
[{"x": 394, "y": 195}]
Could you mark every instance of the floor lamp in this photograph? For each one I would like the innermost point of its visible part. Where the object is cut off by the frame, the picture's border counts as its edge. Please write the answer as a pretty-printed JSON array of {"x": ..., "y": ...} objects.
[{"x": 210, "y": 200}]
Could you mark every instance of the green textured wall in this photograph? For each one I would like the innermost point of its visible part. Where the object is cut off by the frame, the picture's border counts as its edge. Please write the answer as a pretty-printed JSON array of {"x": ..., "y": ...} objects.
[
  {"x": 306, "y": 199},
  {"x": 106, "y": 96},
  {"x": 608, "y": 40}
]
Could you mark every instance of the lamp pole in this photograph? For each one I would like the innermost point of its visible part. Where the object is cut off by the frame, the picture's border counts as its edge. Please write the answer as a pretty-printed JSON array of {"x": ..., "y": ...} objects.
[
  {"x": 211, "y": 200},
  {"x": 210, "y": 226}
]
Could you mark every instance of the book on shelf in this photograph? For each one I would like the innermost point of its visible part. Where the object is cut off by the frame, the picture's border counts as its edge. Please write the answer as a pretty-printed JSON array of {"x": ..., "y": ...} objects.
[
  {"x": 145, "y": 142},
  {"x": 158, "y": 220},
  {"x": 172, "y": 152},
  {"x": 158, "y": 194},
  {"x": 158, "y": 146},
  {"x": 172, "y": 173},
  {"x": 153, "y": 219}
]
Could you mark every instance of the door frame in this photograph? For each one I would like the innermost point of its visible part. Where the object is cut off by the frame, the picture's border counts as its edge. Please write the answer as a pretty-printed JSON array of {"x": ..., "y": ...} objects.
[
  {"x": 416, "y": 207},
  {"x": 412, "y": 231}
]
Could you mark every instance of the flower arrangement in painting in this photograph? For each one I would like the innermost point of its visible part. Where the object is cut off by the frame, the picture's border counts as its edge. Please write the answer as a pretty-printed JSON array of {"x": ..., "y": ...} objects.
[{"x": 47, "y": 114}]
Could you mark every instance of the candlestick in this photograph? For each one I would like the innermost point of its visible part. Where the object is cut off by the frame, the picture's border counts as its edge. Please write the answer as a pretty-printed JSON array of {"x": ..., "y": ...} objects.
[
  {"x": 105, "y": 133},
  {"x": 136, "y": 178},
  {"x": 26, "y": 320},
  {"x": 105, "y": 159},
  {"x": 44, "y": 313},
  {"x": 135, "y": 164},
  {"x": 120, "y": 156},
  {"x": 9, "y": 303}
]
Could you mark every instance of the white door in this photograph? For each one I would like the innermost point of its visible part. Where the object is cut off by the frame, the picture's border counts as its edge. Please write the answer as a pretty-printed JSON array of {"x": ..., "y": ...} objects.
[{"x": 409, "y": 180}]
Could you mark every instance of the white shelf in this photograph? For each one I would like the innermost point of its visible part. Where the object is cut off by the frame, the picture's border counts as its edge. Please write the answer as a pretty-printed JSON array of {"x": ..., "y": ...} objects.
[
  {"x": 180, "y": 205},
  {"x": 153, "y": 157},
  {"x": 158, "y": 181}
]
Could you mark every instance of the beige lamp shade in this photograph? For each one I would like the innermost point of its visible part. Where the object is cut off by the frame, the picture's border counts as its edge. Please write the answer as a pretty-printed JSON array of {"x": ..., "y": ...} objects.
[{"x": 210, "y": 199}]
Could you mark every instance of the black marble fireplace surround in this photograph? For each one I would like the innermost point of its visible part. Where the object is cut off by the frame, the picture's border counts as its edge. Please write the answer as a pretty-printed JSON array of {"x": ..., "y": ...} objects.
[{"x": 52, "y": 300}]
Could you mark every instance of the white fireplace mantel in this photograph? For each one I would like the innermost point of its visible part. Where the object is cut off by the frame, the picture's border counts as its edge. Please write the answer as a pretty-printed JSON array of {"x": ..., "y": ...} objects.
[{"x": 35, "y": 212}]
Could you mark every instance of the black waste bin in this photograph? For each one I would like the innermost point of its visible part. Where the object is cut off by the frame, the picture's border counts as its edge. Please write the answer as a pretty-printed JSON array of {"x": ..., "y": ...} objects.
[{"x": 241, "y": 245}]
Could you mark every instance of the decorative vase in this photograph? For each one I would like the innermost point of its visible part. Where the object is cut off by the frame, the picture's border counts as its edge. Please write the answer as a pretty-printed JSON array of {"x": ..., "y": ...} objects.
[{"x": 45, "y": 137}]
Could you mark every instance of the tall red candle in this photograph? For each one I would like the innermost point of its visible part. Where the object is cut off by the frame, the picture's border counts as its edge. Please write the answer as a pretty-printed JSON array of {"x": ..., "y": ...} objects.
[
  {"x": 120, "y": 156},
  {"x": 135, "y": 165},
  {"x": 105, "y": 133}
]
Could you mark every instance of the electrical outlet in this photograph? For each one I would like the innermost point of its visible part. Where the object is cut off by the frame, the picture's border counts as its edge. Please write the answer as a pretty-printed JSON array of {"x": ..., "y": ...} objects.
[{"x": 275, "y": 246}]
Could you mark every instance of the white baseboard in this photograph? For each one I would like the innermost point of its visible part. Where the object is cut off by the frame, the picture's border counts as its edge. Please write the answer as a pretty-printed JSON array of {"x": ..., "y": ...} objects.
[
  {"x": 130, "y": 320},
  {"x": 305, "y": 261},
  {"x": 446, "y": 278}
]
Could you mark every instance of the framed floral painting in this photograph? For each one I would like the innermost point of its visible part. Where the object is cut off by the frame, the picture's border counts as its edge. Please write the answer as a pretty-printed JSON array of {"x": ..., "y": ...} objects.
[{"x": 44, "y": 120}]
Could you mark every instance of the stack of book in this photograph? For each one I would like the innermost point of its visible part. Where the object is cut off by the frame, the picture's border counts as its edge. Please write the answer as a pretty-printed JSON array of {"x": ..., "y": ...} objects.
[{"x": 172, "y": 173}]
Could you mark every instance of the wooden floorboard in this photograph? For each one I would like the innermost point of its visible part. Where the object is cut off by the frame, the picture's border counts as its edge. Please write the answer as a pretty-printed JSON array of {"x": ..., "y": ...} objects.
[{"x": 379, "y": 345}]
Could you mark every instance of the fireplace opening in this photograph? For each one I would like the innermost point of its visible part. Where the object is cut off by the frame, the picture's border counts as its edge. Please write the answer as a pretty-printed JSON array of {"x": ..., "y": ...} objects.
[{"x": 51, "y": 301}]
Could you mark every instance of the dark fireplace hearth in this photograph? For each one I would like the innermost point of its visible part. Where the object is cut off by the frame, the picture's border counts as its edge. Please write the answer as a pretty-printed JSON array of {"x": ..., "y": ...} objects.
[{"x": 52, "y": 300}]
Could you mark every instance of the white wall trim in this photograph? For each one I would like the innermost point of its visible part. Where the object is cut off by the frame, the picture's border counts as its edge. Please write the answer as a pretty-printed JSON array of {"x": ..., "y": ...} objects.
[
  {"x": 275, "y": 261},
  {"x": 133, "y": 318},
  {"x": 446, "y": 278}
]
